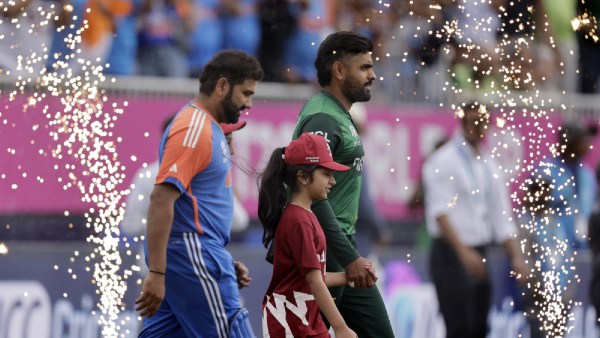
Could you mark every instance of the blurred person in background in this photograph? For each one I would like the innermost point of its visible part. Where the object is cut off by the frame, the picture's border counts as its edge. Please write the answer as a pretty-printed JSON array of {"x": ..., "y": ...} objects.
[
  {"x": 26, "y": 34},
  {"x": 315, "y": 21},
  {"x": 218, "y": 25},
  {"x": 589, "y": 49},
  {"x": 572, "y": 182},
  {"x": 559, "y": 15},
  {"x": 164, "y": 25},
  {"x": 381, "y": 23},
  {"x": 528, "y": 47},
  {"x": 467, "y": 208},
  {"x": 278, "y": 21},
  {"x": 416, "y": 203},
  {"x": 476, "y": 60},
  {"x": 345, "y": 73},
  {"x": 594, "y": 243},
  {"x": 122, "y": 57},
  {"x": 101, "y": 17},
  {"x": 241, "y": 27},
  {"x": 549, "y": 286}
]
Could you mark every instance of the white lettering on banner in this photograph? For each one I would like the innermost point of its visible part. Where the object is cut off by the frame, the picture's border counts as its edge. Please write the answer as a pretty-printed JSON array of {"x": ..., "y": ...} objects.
[
  {"x": 584, "y": 323},
  {"x": 25, "y": 310},
  {"x": 428, "y": 137},
  {"x": 68, "y": 321},
  {"x": 79, "y": 323},
  {"x": 413, "y": 312},
  {"x": 505, "y": 322}
]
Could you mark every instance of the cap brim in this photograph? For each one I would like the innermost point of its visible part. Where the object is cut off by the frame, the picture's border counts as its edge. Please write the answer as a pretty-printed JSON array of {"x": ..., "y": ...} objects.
[
  {"x": 334, "y": 166},
  {"x": 231, "y": 127}
]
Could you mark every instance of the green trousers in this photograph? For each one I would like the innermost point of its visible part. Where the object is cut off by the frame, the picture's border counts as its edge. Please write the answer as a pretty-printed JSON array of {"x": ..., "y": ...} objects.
[{"x": 362, "y": 309}]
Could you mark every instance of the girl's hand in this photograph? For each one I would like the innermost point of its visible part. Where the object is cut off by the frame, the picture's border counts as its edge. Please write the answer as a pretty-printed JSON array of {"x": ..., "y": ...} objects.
[
  {"x": 345, "y": 332},
  {"x": 372, "y": 271}
]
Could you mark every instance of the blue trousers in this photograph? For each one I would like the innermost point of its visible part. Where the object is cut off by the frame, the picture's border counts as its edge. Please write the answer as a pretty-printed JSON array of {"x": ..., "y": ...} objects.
[{"x": 201, "y": 296}]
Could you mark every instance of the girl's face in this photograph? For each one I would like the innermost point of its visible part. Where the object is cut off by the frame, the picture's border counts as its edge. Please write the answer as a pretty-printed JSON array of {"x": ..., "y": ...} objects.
[{"x": 321, "y": 183}]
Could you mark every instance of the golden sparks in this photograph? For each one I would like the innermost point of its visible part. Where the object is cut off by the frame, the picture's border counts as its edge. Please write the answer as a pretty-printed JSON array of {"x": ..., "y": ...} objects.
[{"x": 81, "y": 129}]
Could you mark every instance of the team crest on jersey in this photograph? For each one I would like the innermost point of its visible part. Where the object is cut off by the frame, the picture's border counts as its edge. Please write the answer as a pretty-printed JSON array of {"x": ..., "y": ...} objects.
[{"x": 354, "y": 134}]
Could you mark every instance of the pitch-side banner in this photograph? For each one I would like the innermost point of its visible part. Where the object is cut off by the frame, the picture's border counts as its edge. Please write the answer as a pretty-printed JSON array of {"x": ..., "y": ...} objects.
[{"x": 36, "y": 178}]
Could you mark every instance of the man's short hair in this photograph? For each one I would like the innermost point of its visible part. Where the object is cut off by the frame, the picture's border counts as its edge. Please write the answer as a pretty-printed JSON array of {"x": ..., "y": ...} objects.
[
  {"x": 235, "y": 66},
  {"x": 336, "y": 47},
  {"x": 472, "y": 106}
]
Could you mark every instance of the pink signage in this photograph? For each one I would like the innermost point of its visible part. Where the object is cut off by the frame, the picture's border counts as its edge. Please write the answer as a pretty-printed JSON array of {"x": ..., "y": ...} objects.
[{"x": 397, "y": 141}]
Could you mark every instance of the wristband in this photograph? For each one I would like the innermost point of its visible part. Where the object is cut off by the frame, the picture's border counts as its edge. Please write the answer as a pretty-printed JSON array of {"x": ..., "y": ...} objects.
[{"x": 158, "y": 272}]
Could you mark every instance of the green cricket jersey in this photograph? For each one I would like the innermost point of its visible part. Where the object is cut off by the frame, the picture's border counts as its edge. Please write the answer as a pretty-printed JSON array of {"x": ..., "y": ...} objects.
[{"x": 324, "y": 115}]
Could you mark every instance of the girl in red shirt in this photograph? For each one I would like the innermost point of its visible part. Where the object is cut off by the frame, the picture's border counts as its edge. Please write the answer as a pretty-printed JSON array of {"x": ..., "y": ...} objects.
[{"x": 298, "y": 288}]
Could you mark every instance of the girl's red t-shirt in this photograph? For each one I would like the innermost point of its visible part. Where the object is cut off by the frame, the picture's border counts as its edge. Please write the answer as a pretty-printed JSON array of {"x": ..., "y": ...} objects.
[{"x": 289, "y": 308}]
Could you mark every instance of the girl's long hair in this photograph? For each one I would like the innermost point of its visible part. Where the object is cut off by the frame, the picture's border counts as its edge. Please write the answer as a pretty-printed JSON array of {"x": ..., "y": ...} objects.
[{"x": 272, "y": 192}]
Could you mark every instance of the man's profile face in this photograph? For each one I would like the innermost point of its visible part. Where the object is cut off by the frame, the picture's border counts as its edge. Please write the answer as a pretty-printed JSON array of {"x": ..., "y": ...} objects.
[
  {"x": 360, "y": 76},
  {"x": 237, "y": 99}
]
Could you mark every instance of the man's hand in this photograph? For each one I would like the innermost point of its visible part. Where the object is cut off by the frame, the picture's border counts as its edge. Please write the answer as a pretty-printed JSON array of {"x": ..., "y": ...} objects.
[
  {"x": 153, "y": 292},
  {"x": 358, "y": 275},
  {"x": 243, "y": 274},
  {"x": 473, "y": 262}
]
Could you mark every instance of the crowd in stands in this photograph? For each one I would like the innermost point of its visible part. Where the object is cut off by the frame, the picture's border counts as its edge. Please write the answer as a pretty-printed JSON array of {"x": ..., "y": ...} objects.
[{"x": 500, "y": 43}]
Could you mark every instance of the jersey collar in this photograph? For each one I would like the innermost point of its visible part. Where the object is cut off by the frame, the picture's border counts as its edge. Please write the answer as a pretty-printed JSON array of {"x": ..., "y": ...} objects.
[
  {"x": 334, "y": 99},
  {"x": 200, "y": 107}
]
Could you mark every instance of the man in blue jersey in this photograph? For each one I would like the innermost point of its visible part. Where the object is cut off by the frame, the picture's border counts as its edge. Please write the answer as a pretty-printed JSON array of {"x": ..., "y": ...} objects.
[{"x": 191, "y": 289}]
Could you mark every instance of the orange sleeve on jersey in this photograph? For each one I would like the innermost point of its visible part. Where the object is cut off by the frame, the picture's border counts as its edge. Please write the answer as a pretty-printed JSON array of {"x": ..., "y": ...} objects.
[{"x": 188, "y": 149}]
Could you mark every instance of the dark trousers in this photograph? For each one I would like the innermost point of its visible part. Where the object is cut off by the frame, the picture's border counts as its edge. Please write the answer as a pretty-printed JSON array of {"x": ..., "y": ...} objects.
[
  {"x": 363, "y": 309},
  {"x": 589, "y": 65},
  {"x": 464, "y": 301}
]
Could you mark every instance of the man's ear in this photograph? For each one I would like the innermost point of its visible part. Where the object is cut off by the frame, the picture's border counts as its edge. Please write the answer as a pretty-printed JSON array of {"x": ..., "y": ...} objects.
[
  {"x": 338, "y": 70},
  {"x": 222, "y": 87}
]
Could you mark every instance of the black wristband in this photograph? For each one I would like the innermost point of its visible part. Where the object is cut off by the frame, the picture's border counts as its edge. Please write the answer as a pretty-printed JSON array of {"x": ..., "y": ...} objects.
[{"x": 157, "y": 272}]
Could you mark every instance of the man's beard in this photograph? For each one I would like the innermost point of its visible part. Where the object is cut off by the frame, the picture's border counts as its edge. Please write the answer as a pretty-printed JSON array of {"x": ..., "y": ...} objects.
[
  {"x": 355, "y": 92},
  {"x": 232, "y": 112}
]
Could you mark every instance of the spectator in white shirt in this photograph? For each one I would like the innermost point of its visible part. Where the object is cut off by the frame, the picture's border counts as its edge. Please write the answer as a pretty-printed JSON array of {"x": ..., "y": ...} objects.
[{"x": 467, "y": 208}]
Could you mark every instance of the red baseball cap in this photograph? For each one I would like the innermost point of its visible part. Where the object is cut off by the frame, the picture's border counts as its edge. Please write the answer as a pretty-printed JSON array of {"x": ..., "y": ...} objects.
[
  {"x": 311, "y": 149},
  {"x": 231, "y": 127}
]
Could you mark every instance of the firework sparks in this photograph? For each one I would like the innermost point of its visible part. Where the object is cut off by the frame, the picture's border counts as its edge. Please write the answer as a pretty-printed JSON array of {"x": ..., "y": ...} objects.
[
  {"x": 81, "y": 130},
  {"x": 588, "y": 24}
]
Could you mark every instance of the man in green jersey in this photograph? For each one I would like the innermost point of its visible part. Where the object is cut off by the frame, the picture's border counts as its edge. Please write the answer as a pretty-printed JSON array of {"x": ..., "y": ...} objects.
[{"x": 345, "y": 72}]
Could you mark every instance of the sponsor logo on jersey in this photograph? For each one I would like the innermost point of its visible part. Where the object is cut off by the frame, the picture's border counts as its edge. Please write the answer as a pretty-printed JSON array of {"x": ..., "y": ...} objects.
[
  {"x": 358, "y": 163},
  {"x": 324, "y": 134}
]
